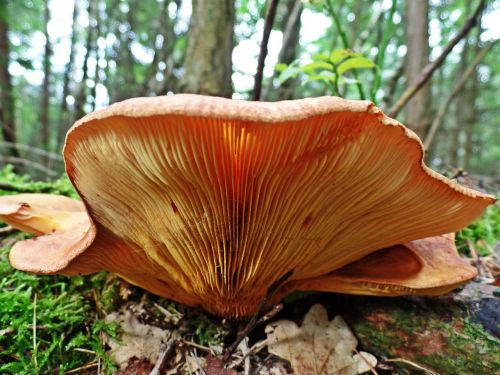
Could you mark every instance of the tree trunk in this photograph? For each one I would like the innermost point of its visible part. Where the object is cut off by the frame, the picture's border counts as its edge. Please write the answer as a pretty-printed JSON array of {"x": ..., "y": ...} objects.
[
  {"x": 164, "y": 29},
  {"x": 417, "y": 57},
  {"x": 288, "y": 53},
  {"x": 45, "y": 94},
  {"x": 208, "y": 65},
  {"x": 63, "y": 110},
  {"x": 6, "y": 93},
  {"x": 81, "y": 98},
  {"x": 471, "y": 109}
]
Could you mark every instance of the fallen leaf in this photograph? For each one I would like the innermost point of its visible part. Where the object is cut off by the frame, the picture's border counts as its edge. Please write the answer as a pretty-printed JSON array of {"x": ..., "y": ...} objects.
[
  {"x": 318, "y": 347},
  {"x": 137, "y": 340},
  {"x": 365, "y": 362}
]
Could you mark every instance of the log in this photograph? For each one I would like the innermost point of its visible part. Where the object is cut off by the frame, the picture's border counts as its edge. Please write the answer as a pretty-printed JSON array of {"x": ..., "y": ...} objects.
[{"x": 455, "y": 334}]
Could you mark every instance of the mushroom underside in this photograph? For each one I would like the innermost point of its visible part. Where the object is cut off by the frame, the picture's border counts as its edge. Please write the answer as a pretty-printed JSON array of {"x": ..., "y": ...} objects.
[{"x": 426, "y": 267}]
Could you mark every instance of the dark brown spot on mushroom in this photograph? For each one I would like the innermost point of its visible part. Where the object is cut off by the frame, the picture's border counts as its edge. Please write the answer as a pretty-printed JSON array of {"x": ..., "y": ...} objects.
[
  {"x": 174, "y": 208},
  {"x": 307, "y": 221}
]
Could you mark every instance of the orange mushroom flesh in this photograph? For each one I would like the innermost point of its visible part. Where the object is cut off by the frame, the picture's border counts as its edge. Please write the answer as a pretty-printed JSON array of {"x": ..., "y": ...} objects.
[
  {"x": 220, "y": 198},
  {"x": 430, "y": 266}
]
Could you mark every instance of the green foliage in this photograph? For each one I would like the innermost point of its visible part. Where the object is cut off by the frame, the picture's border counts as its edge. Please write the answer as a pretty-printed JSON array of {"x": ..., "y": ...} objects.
[
  {"x": 483, "y": 234},
  {"x": 329, "y": 69}
]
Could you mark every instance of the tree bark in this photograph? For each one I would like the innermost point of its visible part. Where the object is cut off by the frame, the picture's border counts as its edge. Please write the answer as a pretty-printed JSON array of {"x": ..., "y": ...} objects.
[
  {"x": 208, "y": 65},
  {"x": 164, "y": 29},
  {"x": 64, "y": 110},
  {"x": 288, "y": 53},
  {"x": 462, "y": 80},
  {"x": 7, "y": 114},
  {"x": 81, "y": 98},
  {"x": 417, "y": 57},
  {"x": 471, "y": 109},
  {"x": 45, "y": 94}
]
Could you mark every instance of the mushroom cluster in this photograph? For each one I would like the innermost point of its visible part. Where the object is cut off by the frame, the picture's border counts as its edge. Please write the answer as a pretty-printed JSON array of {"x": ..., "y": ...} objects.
[{"x": 209, "y": 201}]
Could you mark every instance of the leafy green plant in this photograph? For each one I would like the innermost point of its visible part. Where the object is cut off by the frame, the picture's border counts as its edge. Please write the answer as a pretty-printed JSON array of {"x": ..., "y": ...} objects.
[
  {"x": 330, "y": 69},
  {"x": 483, "y": 234}
]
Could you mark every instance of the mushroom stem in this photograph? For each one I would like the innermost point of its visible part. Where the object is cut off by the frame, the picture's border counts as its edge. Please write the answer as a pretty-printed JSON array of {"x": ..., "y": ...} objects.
[{"x": 255, "y": 320}]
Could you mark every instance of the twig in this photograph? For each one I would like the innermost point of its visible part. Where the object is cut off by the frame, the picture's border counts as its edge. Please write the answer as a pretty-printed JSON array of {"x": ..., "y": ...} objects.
[
  {"x": 255, "y": 319},
  {"x": 78, "y": 369},
  {"x": 198, "y": 346},
  {"x": 271, "y": 313},
  {"x": 81, "y": 350},
  {"x": 430, "y": 68},
  {"x": 270, "y": 15},
  {"x": 257, "y": 347},
  {"x": 413, "y": 364},
  {"x": 438, "y": 120},
  {"x": 163, "y": 357}
]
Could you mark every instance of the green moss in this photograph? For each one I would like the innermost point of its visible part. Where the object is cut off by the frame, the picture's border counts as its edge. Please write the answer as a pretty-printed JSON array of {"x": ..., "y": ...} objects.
[
  {"x": 65, "y": 320},
  {"x": 439, "y": 336}
]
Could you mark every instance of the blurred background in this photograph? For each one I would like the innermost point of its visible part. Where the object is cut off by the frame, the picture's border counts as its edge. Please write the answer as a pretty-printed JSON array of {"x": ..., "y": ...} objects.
[{"x": 61, "y": 59}]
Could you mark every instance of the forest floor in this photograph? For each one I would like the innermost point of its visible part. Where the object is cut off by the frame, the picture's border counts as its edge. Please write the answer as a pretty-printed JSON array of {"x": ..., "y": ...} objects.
[{"x": 100, "y": 324}]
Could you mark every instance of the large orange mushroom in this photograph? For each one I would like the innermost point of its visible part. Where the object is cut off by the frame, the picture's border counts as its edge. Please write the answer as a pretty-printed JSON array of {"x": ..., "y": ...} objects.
[{"x": 209, "y": 201}]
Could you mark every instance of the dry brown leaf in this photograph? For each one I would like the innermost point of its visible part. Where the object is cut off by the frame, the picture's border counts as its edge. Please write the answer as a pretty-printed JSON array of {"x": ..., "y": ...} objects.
[
  {"x": 318, "y": 347},
  {"x": 137, "y": 340}
]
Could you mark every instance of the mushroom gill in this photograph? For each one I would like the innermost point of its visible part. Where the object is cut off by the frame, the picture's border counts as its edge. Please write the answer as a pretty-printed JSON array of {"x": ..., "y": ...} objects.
[{"x": 219, "y": 198}]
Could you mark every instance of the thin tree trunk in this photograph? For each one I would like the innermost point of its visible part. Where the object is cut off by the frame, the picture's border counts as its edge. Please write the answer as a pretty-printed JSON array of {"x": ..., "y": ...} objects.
[
  {"x": 164, "y": 29},
  {"x": 96, "y": 78},
  {"x": 64, "y": 110},
  {"x": 6, "y": 93},
  {"x": 417, "y": 57},
  {"x": 45, "y": 95},
  {"x": 208, "y": 65},
  {"x": 81, "y": 98},
  {"x": 288, "y": 52},
  {"x": 463, "y": 79}
]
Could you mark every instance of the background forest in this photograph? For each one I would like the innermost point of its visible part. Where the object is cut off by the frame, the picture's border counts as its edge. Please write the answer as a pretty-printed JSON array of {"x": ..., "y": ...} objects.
[
  {"x": 432, "y": 64},
  {"x": 61, "y": 59}
]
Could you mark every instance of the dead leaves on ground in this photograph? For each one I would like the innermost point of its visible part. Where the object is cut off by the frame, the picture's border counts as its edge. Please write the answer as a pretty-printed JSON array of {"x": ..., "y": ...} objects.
[{"x": 319, "y": 346}]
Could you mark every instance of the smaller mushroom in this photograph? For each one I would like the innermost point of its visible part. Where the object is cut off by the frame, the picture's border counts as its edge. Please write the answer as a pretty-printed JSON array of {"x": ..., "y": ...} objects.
[
  {"x": 430, "y": 266},
  {"x": 64, "y": 222}
]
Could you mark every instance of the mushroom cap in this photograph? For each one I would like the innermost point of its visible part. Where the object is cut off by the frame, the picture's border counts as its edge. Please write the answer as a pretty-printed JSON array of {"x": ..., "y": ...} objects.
[
  {"x": 227, "y": 196},
  {"x": 220, "y": 198}
]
